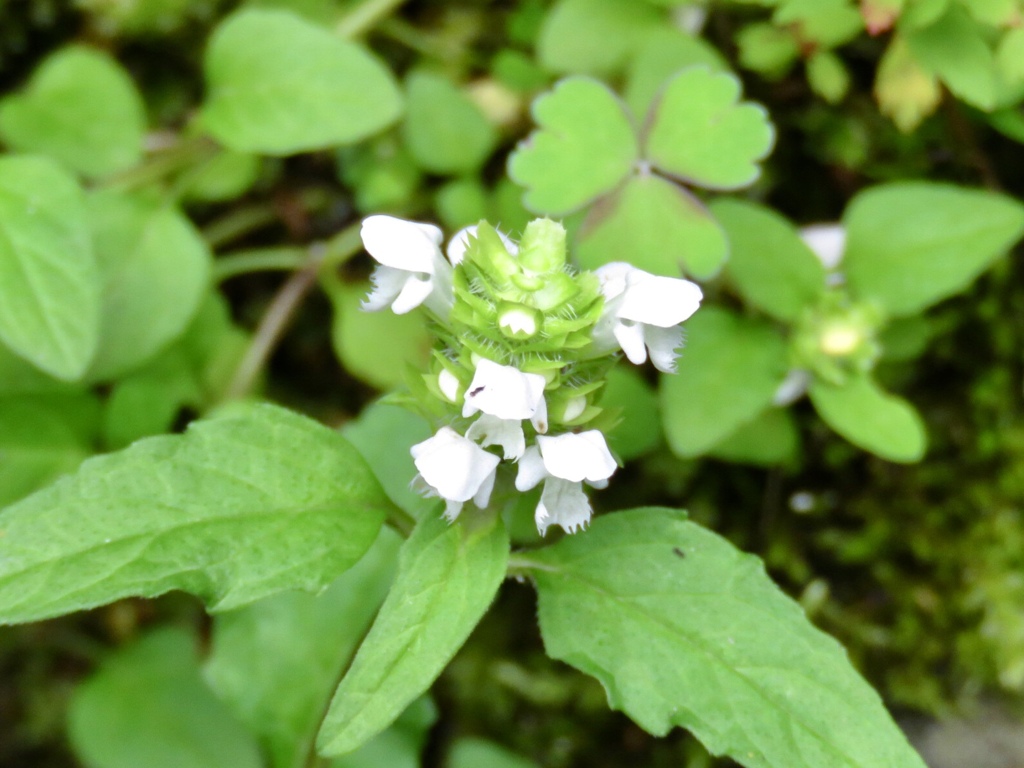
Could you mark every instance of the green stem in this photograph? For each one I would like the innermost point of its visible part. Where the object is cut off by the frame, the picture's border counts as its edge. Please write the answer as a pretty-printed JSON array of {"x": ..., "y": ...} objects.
[
  {"x": 365, "y": 17},
  {"x": 401, "y": 521},
  {"x": 520, "y": 566},
  {"x": 238, "y": 222},
  {"x": 185, "y": 153},
  {"x": 258, "y": 260}
]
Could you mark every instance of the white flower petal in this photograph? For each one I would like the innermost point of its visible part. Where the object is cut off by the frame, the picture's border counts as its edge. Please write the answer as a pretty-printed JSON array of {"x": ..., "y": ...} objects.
[
  {"x": 453, "y": 465},
  {"x": 448, "y": 383},
  {"x": 577, "y": 457},
  {"x": 562, "y": 503},
  {"x": 414, "y": 292},
  {"x": 663, "y": 343},
  {"x": 660, "y": 301},
  {"x": 387, "y": 284},
  {"x": 452, "y": 510},
  {"x": 540, "y": 416},
  {"x": 613, "y": 278},
  {"x": 531, "y": 469},
  {"x": 792, "y": 388},
  {"x": 630, "y": 336},
  {"x": 483, "y": 497},
  {"x": 401, "y": 244},
  {"x": 828, "y": 241},
  {"x": 508, "y": 433},
  {"x": 503, "y": 391}
]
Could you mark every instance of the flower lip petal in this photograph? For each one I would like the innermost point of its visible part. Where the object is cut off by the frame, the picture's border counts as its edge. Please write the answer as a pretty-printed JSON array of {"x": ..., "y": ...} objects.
[
  {"x": 662, "y": 344},
  {"x": 562, "y": 503},
  {"x": 827, "y": 241},
  {"x": 660, "y": 301},
  {"x": 414, "y": 292},
  {"x": 531, "y": 469},
  {"x": 455, "y": 466},
  {"x": 503, "y": 391},
  {"x": 577, "y": 457},
  {"x": 631, "y": 338},
  {"x": 401, "y": 244},
  {"x": 387, "y": 283},
  {"x": 508, "y": 433}
]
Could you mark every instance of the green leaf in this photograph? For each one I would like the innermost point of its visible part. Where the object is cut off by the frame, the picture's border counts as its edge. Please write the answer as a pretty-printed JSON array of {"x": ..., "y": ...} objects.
[
  {"x": 662, "y": 54},
  {"x": 278, "y": 85},
  {"x": 728, "y": 373},
  {"x": 400, "y": 746},
  {"x": 872, "y": 419},
  {"x": 769, "y": 264},
  {"x": 770, "y": 439},
  {"x": 81, "y": 108},
  {"x": 639, "y": 432},
  {"x": 155, "y": 269},
  {"x": 277, "y": 662},
  {"x": 912, "y": 244},
  {"x": 447, "y": 577},
  {"x": 701, "y": 133},
  {"x": 444, "y": 130},
  {"x": 147, "y": 706},
  {"x": 655, "y": 224},
  {"x": 1010, "y": 56},
  {"x": 593, "y": 37},
  {"x": 253, "y": 502},
  {"x": 480, "y": 753},
  {"x": 766, "y": 49},
  {"x": 585, "y": 147},
  {"x": 828, "y": 76},
  {"x": 682, "y": 629},
  {"x": 820, "y": 24},
  {"x": 954, "y": 49},
  {"x": 49, "y": 281}
]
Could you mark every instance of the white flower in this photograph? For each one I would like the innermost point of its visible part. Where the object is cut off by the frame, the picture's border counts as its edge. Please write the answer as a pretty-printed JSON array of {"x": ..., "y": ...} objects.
[
  {"x": 508, "y": 433},
  {"x": 828, "y": 242},
  {"x": 412, "y": 269},
  {"x": 507, "y": 393},
  {"x": 563, "y": 462},
  {"x": 642, "y": 313},
  {"x": 456, "y": 469},
  {"x": 459, "y": 243}
]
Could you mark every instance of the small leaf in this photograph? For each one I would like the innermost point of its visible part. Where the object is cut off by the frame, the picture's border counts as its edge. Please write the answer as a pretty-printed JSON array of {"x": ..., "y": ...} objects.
[
  {"x": 400, "y": 746},
  {"x": 828, "y": 76},
  {"x": 447, "y": 577},
  {"x": 49, "y": 281},
  {"x": 253, "y": 502},
  {"x": 954, "y": 49},
  {"x": 911, "y": 244},
  {"x": 1010, "y": 56},
  {"x": 872, "y": 419},
  {"x": 278, "y": 85},
  {"x": 478, "y": 753},
  {"x": 80, "y": 108},
  {"x": 662, "y": 53},
  {"x": 276, "y": 662},
  {"x": 684, "y": 630},
  {"x": 585, "y": 147},
  {"x": 821, "y": 24},
  {"x": 657, "y": 226},
  {"x": 770, "y": 439},
  {"x": 768, "y": 262},
  {"x": 593, "y": 37},
  {"x": 728, "y": 373},
  {"x": 639, "y": 432},
  {"x": 767, "y": 49},
  {"x": 155, "y": 269},
  {"x": 702, "y": 134},
  {"x": 444, "y": 130},
  {"x": 906, "y": 92},
  {"x": 147, "y": 706}
]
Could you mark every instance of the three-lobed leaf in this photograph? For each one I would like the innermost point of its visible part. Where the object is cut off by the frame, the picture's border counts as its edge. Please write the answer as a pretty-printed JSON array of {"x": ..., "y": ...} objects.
[
  {"x": 682, "y": 629},
  {"x": 49, "y": 280},
  {"x": 81, "y": 108},
  {"x": 584, "y": 147},
  {"x": 278, "y": 85},
  {"x": 911, "y": 244},
  {"x": 244, "y": 505},
  {"x": 447, "y": 577},
  {"x": 701, "y": 133}
]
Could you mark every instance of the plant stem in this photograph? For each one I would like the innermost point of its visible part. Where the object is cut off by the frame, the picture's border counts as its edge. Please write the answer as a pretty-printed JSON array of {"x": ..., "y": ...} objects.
[
  {"x": 401, "y": 521},
  {"x": 238, "y": 222},
  {"x": 185, "y": 153},
  {"x": 258, "y": 260},
  {"x": 365, "y": 17}
]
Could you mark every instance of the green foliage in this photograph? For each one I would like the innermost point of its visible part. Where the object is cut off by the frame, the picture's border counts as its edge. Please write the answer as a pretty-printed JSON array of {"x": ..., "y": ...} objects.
[
  {"x": 682, "y": 629},
  {"x": 278, "y": 85},
  {"x": 244, "y": 505},
  {"x": 593, "y": 37}
]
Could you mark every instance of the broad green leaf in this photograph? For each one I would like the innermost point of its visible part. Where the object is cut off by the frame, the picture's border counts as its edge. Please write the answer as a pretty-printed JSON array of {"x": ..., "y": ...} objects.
[
  {"x": 1010, "y": 56},
  {"x": 768, "y": 262},
  {"x": 148, "y": 706},
  {"x": 701, "y": 132},
  {"x": 223, "y": 177},
  {"x": 81, "y": 108},
  {"x": 911, "y": 244},
  {"x": 955, "y": 50},
  {"x": 584, "y": 147},
  {"x": 662, "y": 53},
  {"x": 447, "y": 577},
  {"x": 729, "y": 370},
  {"x": 400, "y": 746},
  {"x": 155, "y": 269},
  {"x": 277, "y": 662},
  {"x": 593, "y": 37},
  {"x": 43, "y": 436},
  {"x": 479, "y": 753},
  {"x": 376, "y": 347},
  {"x": 996, "y": 13},
  {"x": 639, "y": 430},
  {"x": 49, "y": 281},
  {"x": 771, "y": 438},
  {"x": 278, "y": 85},
  {"x": 656, "y": 225},
  {"x": 444, "y": 130},
  {"x": 682, "y": 629},
  {"x": 872, "y": 419},
  {"x": 253, "y": 502},
  {"x": 19, "y": 377}
]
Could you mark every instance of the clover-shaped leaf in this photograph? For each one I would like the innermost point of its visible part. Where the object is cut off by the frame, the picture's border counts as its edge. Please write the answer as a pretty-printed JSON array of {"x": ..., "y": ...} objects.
[
  {"x": 585, "y": 147},
  {"x": 700, "y": 132}
]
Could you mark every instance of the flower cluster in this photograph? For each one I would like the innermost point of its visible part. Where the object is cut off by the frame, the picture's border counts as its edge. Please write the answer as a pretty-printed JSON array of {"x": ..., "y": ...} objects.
[{"x": 524, "y": 343}]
